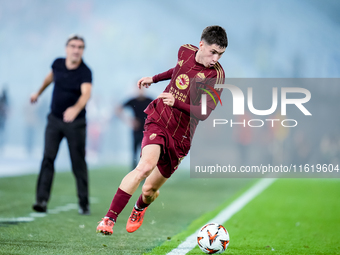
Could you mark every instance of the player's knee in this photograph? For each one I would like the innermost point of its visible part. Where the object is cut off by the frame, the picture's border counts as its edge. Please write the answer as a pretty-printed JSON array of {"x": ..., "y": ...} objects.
[
  {"x": 149, "y": 191},
  {"x": 144, "y": 169}
]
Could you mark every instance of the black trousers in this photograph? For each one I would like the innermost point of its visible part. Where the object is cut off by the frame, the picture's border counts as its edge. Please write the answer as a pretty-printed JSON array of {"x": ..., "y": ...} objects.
[{"x": 75, "y": 133}]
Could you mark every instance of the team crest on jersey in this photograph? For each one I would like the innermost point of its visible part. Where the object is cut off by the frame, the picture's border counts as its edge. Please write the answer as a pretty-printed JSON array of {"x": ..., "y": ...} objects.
[
  {"x": 153, "y": 136},
  {"x": 180, "y": 63},
  {"x": 200, "y": 77},
  {"x": 182, "y": 81}
]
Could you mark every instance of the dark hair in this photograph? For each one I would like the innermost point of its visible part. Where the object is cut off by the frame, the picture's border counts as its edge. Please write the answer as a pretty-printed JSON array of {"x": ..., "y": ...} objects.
[
  {"x": 215, "y": 35},
  {"x": 75, "y": 37}
]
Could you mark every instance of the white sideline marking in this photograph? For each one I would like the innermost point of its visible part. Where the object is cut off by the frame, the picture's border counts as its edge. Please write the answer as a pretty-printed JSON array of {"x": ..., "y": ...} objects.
[
  {"x": 13, "y": 220},
  {"x": 34, "y": 215},
  {"x": 225, "y": 215}
]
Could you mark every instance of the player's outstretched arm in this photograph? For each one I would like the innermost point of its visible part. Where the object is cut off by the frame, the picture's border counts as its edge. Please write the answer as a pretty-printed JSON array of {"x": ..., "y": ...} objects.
[
  {"x": 48, "y": 80},
  {"x": 145, "y": 82}
]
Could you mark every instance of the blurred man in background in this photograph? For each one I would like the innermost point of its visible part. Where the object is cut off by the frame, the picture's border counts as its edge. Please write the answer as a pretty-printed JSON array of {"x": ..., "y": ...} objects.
[
  {"x": 138, "y": 105},
  {"x": 72, "y": 89},
  {"x": 3, "y": 116}
]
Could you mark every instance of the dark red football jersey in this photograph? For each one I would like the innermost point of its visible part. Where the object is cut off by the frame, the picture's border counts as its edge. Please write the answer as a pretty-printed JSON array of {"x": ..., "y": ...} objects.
[{"x": 187, "y": 77}]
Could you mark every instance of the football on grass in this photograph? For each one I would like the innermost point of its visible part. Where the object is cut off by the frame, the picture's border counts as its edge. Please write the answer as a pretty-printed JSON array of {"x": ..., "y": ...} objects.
[{"x": 213, "y": 238}]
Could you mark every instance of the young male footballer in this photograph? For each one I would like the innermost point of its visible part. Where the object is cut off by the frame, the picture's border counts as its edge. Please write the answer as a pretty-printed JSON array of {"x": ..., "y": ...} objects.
[{"x": 170, "y": 124}]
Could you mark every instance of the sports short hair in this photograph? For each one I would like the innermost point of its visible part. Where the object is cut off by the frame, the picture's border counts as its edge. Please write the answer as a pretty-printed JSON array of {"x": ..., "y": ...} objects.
[
  {"x": 75, "y": 37},
  {"x": 215, "y": 35}
]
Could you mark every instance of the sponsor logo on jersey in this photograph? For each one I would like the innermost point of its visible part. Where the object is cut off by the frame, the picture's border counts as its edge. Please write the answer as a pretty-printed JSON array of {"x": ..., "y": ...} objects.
[
  {"x": 182, "y": 81},
  {"x": 178, "y": 95},
  {"x": 153, "y": 136}
]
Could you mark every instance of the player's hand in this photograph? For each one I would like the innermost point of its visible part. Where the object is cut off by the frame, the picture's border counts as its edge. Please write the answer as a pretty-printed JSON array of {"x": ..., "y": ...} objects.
[
  {"x": 34, "y": 98},
  {"x": 168, "y": 98},
  {"x": 145, "y": 82},
  {"x": 70, "y": 114}
]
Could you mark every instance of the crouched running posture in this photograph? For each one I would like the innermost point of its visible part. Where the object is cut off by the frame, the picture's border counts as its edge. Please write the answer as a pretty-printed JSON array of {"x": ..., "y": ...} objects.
[{"x": 171, "y": 123}]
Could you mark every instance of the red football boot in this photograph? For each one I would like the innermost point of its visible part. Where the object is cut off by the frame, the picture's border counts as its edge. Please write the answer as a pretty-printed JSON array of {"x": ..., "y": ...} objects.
[
  {"x": 135, "y": 220},
  {"x": 105, "y": 226}
]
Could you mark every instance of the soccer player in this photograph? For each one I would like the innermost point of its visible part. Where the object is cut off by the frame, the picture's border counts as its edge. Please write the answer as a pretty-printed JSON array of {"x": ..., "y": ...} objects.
[
  {"x": 171, "y": 123},
  {"x": 72, "y": 89}
]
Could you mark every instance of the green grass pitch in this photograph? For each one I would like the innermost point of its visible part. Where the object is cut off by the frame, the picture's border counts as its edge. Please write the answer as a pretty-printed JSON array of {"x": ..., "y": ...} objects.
[{"x": 292, "y": 216}]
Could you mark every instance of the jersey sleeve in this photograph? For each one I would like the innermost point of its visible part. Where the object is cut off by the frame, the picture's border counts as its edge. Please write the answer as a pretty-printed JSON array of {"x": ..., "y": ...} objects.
[
  {"x": 56, "y": 63},
  {"x": 86, "y": 75},
  {"x": 195, "y": 110},
  {"x": 213, "y": 97},
  {"x": 163, "y": 76},
  {"x": 214, "y": 94}
]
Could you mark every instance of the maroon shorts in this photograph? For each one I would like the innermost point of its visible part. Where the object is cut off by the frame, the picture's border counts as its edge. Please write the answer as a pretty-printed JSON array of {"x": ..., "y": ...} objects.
[{"x": 172, "y": 151}]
